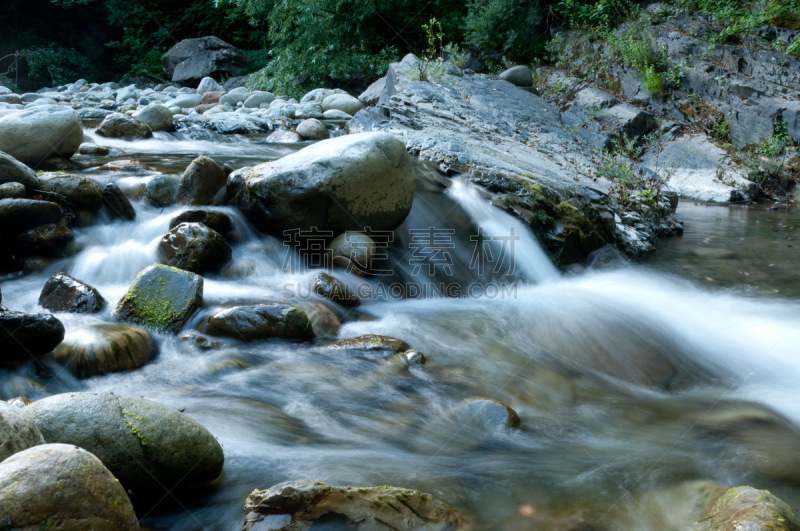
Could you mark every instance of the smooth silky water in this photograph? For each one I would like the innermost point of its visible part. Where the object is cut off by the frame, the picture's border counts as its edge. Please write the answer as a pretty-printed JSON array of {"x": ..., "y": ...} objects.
[{"x": 629, "y": 379}]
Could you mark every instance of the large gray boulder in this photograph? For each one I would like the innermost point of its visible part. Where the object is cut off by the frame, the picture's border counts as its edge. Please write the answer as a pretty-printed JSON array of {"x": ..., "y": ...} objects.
[
  {"x": 189, "y": 61},
  {"x": 119, "y": 125},
  {"x": 520, "y": 76},
  {"x": 373, "y": 92},
  {"x": 341, "y": 184},
  {"x": 161, "y": 298},
  {"x": 148, "y": 446},
  {"x": 13, "y": 171},
  {"x": 209, "y": 84},
  {"x": 342, "y": 102},
  {"x": 17, "y": 431},
  {"x": 34, "y": 135},
  {"x": 312, "y": 129},
  {"x": 59, "y": 486},
  {"x": 201, "y": 182},
  {"x": 156, "y": 116}
]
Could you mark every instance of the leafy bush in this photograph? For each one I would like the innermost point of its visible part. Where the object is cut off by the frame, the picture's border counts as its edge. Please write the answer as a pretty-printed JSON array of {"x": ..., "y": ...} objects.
[
  {"x": 780, "y": 139},
  {"x": 602, "y": 14},
  {"x": 54, "y": 65},
  {"x": 508, "y": 26}
]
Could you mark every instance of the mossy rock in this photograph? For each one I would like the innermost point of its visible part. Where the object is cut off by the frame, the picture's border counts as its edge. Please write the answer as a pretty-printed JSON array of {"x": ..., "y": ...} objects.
[
  {"x": 371, "y": 342},
  {"x": 261, "y": 321},
  {"x": 102, "y": 349},
  {"x": 744, "y": 508},
  {"x": 161, "y": 298}
]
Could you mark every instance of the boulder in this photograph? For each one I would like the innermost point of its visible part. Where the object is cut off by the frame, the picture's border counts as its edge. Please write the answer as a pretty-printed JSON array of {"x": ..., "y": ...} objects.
[
  {"x": 194, "y": 247},
  {"x": 59, "y": 486},
  {"x": 212, "y": 97},
  {"x": 209, "y": 84},
  {"x": 25, "y": 335},
  {"x": 93, "y": 149},
  {"x": 232, "y": 99},
  {"x": 17, "y": 215},
  {"x": 82, "y": 192},
  {"x": 160, "y": 190},
  {"x": 369, "y": 342},
  {"x": 104, "y": 348},
  {"x": 119, "y": 125},
  {"x": 126, "y": 165},
  {"x": 161, "y": 298},
  {"x": 314, "y": 504},
  {"x": 520, "y": 76},
  {"x": 201, "y": 182},
  {"x": 191, "y": 60},
  {"x": 18, "y": 432},
  {"x": 213, "y": 219},
  {"x": 373, "y": 92},
  {"x": 352, "y": 251},
  {"x": 148, "y": 446},
  {"x": 45, "y": 240},
  {"x": 257, "y": 99},
  {"x": 317, "y": 95},
  {"x": 334, "y": 290},
  {"x": 63, "y": 293},
  {"x": 156, "y": 116},
  {"x": 342, "y": 102},
  {"x": 312, "y": 129},
  {"x": 334, "y": 114},
  {"x": 186, "y": 101},
  {"x": 282, "y": 136},
  {"x": 261, "y": 321},
  {"x": 34, "y": 135},
  {"x": 746, "y": 508},
  {"x": 116, "y": 204},
  {"x": 341, "y": 184},
  {"x": 13, "y": 171},
  {"x": 12, "y": 191}
]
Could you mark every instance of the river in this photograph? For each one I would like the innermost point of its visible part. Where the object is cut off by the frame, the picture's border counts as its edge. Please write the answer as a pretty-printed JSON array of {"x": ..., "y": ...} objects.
[{"x": 630, "y": 379}]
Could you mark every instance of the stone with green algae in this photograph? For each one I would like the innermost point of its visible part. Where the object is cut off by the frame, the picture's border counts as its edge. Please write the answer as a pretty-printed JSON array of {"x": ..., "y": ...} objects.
[{"x": 745, "y": 508}]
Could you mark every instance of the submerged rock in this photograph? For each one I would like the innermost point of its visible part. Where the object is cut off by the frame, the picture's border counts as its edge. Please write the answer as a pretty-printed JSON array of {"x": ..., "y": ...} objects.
[
  {"x": 744, "y": 509},
  {"x": 126, "y": 165},
  {"x": 371, "y": 342},
  {"x": 261, "y": 321},
  {"x": 345, "y": 183},
  {"x": 308, "y": 504},
  {"x": 102, "y": 349},
  {"x": 213, "y": 219},
  {"x": 94, "y": 150},
  {"x": 82, "y": 192},
  {"x": 148, "y": 446},
  {"x": 194, "y": 247},
  {"x": 18, "y": 432},
  {"x": 123, "y": 126},
  {"x": 64, "y": 293},
  {"x": 24, "y": 335},
  {"x": 333, "y": 289},
  {"x": 33, "y": 135},
  {"x": 160, "y": 190},
  {"x": 201, "y": 182},
  {"x": 487, "y": 412},
  {"x": 161, "y": 298},
  {"x": 116, "y": 204},
  {"x": 60, "y": 486}
]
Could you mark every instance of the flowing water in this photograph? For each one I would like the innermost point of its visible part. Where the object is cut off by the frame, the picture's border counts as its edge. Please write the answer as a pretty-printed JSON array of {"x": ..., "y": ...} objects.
[{"x": 630, "y": 380}]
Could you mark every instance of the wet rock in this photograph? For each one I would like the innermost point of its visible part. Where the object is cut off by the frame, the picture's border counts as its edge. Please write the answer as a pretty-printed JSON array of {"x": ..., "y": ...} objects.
[
  {"x": 91, "y": 117},
  {"x": 261, "y": 321},
  {"x": 59, "y": 486},
  {"x": 486, "y": 412},
  {"x": 33, "y": 135},
  {"x": 63, "y": 293},
  {"x": 12, "y": 191},
  {"x": 209, "y": 84},
  {"x": 116, "y": 204},
  {"x": 282, "y": 136},
  {"x": 81, "y": 192},
  {"x": 13, "y": 171},
  {"x": 123, "y": 126},
  {"x": 161, "y": 298},
  {"x": 148, "y": 446},
  {"x": 26, "y": 335},
  {"x": 201, "y": 182},
  {"x": 342, "y": 102},
  {"x": 160, "y": 191},
  {"x": 17, "y": 215},
  {"x": 371, "y": 342},
  {"x": 156, "y": 116},
  {"x": 211, "y": 97},
  {"x": 341, "y": 184},
  {"x": 334, "y": 290},
  {"x": 18, "y": 432},
  {"x": 94, "y": 150},
  {"x": 411, "y": 357},
  {"x": 520, "y": 76},
  {"x": 352, "y": 251},
  {"x": 308, "y": 504},
  {"x": 194, "y": 247},
  {"x": 312, "y": 129},
  {"x": 324, "y": 321},
  {"x": 213, "y": 219},
  {"x": 745, "y": 508},
  {"x": 191, "y": 60},
  {"x": 45, "y": 240},
  {"x": 102, "y": 349},
  {"x": 126, "y": 165}
]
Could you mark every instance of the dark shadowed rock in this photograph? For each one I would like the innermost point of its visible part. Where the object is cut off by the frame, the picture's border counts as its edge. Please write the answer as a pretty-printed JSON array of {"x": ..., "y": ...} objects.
[
  {"x": 213, "y": 219},
  {"x": 101, "y": 349},
  {"x": 333, "y": 289},
  {"x": 191, "y": 60},
  {"x": 194, "y": 247},
  {"x": 27, "y": 335},
  {"x": 261, "y": 321},
  {"x": 200, "y": 182},
  {"x": 63, "y": 293},
  {"x": 12, "y": 191},
  {"x": 82, "y": 192},
  {"x": 46, "y": 240},
  {"x": 116, "y": 204},
  {"x": 353, "y": 252},
  {"x": 60, "y": 486},
  {"x": 13, "y": 171},
  {"x": 161, "y": 298},
  {"x": 123, "y": 126},
  {"x": 17, "y": 215}
]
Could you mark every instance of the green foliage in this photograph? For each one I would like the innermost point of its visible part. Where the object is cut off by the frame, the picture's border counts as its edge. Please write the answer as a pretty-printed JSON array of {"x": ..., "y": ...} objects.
[
  {"x": 505, "y": 25},
  {"x": 780, "y": 139},
  {"x": 743, "y": 17},
  {"x": 602, "y": 14},
  {"x": 456, "y": 56},
  {"x": 634, "y": 48},
  {"x": 721, "y": 128},
  {"x": 54, "y": 65}
]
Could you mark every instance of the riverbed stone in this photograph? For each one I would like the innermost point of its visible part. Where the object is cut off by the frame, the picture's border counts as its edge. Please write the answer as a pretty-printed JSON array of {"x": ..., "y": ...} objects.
[
  {"x": 373, "y": 92},
  {"x": 27, "y": 335},
  {"x": 148, "y": 446},
  {"x": 352, "y": 251},
  {"x": 213, "y": 219},
  {"x": 160, "y": 191},
  {"x": 191, "y": 60},
  {"x": 17, "y": 215},
  {"x": 314, "y": 504},
  {"x": 209, "y": 84},
  {"x": 161, "y": 298},
  {"x": 45, "y": 240},
  {"x": 194, "y": 247},
  {"x": 93, "y": 150},
  {"x": 282, "y": 136},
  {"x": 116, "y": 204},
  {"x": 746, "y": 508},
  {"x": 261, "y": 321},
  {"x": 520, "y": 76},
  {"x": 186, "y": 101},
  {"x": 335, "y": 114},
  {"x": 487, "y": 412},
  {"x": 341, "y": 184},
  {"x": 312, "y": 129},
  {"x": 13, "y": 171},
  {"x": 18, "y": 432},
  {"x": 370, "y": 342},
  {"x": 211, "y": 97},
  {"x": 342, "y": 102},
  {"x": 335, "y": 290},
  {"x": 64, "y": 293},
  {"x": 60, "y": 486},
  {"x": 12, "y": 191},
  {"x": 33, "y": 135},
  {"x": 257, "y": 98},
  {"x": 126, "y": 165},
  {"x": 82, "y": 192},
  {"x": 201, "y": 182},
  {"x": 156, "y": 116},
  {"x": 123, "y": 126},
  {"x": 104, "y": 348}
]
